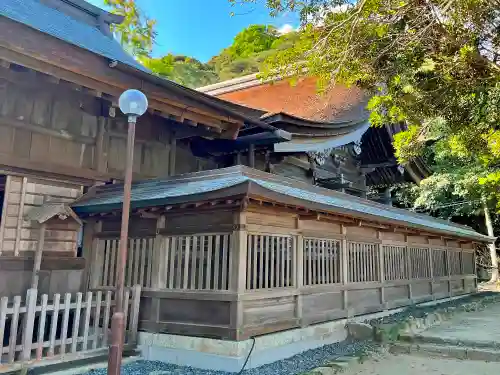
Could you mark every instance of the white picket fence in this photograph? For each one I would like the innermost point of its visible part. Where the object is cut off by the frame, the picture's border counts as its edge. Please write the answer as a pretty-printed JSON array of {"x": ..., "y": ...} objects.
[{"x": 62, "y": 327}]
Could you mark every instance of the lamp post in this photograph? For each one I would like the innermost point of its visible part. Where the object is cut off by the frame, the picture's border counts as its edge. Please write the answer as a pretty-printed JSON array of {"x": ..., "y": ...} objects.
[{"x": 133, "y": 104}]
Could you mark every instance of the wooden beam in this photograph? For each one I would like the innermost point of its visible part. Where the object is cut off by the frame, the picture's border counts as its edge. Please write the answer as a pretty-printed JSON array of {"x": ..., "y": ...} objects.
[{"x": 38, "y": 257}]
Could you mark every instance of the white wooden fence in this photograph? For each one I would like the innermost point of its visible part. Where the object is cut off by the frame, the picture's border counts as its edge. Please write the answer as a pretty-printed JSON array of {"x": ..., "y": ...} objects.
[{"x": 64, "y": 327}]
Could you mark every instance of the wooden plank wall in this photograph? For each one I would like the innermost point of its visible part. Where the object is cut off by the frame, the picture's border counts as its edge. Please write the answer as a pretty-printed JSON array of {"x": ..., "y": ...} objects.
[
  {"x": 19, "y": 236},
  {"x": 55, "y": 124}
]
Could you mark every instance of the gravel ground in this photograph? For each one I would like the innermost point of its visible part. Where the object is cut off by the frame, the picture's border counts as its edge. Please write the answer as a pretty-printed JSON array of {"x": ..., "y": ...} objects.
[
  {"x": 292, "y": 366},
  {"x": 305, "y": 361}
]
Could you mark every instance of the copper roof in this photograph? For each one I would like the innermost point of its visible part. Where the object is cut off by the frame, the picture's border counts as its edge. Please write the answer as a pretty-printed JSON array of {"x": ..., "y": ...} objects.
[{"x": 302, "y": 99}]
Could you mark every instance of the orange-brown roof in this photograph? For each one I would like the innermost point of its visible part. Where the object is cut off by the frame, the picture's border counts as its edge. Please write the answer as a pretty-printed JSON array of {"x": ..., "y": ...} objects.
[{"x": 302, "y": 100}]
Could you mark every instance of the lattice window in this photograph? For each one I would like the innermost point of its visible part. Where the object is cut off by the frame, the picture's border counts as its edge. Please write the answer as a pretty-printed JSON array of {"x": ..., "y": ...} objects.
[
  {"x": 363, "y": 262},
  {"x": 439, "y": 267},
  {"x": 198, "y": 262},
  {"x": 419, "y": 260},
  {"x": 468, "y": 262},
  {"x": 138, "y": 268},
  {"x": 454, "y": 262},
  {"x": 321, "y": 261},
  {"x": 270, "y": 261},
  {"x": 395, "y": 263}
]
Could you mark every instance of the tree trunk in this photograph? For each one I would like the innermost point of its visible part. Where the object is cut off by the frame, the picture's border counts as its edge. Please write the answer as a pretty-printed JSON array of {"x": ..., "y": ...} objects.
[{"x": 492, "y": 247}]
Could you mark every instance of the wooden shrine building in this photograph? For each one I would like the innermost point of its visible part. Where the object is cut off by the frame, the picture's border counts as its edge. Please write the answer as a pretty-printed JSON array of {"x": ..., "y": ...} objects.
[
  {"x": 236, "y": 253},
  {"x": 332, "y": 142}
]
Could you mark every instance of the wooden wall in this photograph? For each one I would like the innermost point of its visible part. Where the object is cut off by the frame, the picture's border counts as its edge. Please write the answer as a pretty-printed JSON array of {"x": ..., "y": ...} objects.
[
  {"x": 51, "y": 126},
  {"x": 18, "y": 236},
  {"x": 284, "y": 270}
]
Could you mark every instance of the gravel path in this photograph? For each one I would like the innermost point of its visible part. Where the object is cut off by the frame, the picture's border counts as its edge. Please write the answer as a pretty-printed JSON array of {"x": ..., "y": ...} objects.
[
  {"x": 409, "y": 365},
  {"x": 292, "y": 366}
]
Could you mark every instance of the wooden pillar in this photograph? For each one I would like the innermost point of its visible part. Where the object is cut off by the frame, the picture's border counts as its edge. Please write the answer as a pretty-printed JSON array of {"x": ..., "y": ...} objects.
[
  {"x": 345, "y": 265},
  {"x": 20, "y": 216},
  {"x": 38, "y": 257},
  {"x": 172, "y": 155},
  {"x": 102, "y": 144},
  {"x": 237, "y": 276},
  {"x": 159, "y": 276},
  {"x": 89, "y": 231},
  {"x": 251, "y": 156},
  {"x": 95, "y": 267}
]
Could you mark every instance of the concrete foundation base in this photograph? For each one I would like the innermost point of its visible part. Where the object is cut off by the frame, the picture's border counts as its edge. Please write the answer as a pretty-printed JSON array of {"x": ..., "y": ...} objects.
[{"x": 230, "y": 356}]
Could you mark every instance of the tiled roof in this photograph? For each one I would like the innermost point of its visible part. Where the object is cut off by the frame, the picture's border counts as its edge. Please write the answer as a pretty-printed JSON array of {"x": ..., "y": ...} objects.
[
  {"x": 241, "y": 180},
  {"x": 53, "y": 22}
]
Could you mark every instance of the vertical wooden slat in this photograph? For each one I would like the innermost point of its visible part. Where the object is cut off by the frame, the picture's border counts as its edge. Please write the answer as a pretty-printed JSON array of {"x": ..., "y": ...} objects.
[
  {"x": 272, "y": 266},
  {"x": 41, "y": 327},
  {"x": 142, "y": 265},
  {"x": 3, "y": 317},
  {"x": 64, "y": 333},
  {"x": 76, "y": 322},
  {"x": 20, "y": 215},
  {"x": 105, "y": 323},
  {"x": 126, "y": 303},
  {"x": 149, "y": 261},
  {"x": 107, "y": 250},
  {"x": 53, "y": 324},
  {"x": 209, "y": 274},
  {"x": 179, "y": 256},
  {"x": 28, "y": 324},
  {"x": 254, "y": 262},
  {"x": 201, "y": 265},
  {"x": 97, "y": 319},
  {"x": 86, "y": 322},
  {"x": 282, "y": 268},
  {"x": 164, "y": 248},
  {"x": 288, "y": 280},
  {"x": 130, "y": 261},
  {"x": 225, "y": 270},
  {"x": 217, "y": 261},
  {"x": 13, "y": 329},
  {"x": 170, "y": 241},
  {"x": 313, "y": 251},
  {"x": 267, "y": 265},
  {"x": 134, "y": 318},
  {"x": 190, "y": 252},
  {"x": 260, "y": 249},
  {"x": 249, "y": 262},
  {"x": 114, "y": 254},
  {"x": 137, "y": 255}
]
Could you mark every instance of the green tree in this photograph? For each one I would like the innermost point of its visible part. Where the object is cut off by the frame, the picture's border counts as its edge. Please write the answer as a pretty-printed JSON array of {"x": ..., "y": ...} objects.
[
  {"x": 137, "y": 32},
  {"x": 432, "y": 64},
  {"x": 184, "y": 70}
]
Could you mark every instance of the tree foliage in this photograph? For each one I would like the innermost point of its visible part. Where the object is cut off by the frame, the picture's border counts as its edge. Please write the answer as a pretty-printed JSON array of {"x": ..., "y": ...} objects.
[
  {"x": 430, "y": 63},
  {"x": 137, "y": 32}
]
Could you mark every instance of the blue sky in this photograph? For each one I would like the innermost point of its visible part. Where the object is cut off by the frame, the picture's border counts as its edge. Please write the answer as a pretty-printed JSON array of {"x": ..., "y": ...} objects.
[{"x": 202, "y": 28}]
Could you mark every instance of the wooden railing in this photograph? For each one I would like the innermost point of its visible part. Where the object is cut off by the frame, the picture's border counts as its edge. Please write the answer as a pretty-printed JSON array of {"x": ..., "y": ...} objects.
[
  {"x": 34, "y": 329},
  {"x": 269, "y": 262},
  {"x": 321, "y": 261}
]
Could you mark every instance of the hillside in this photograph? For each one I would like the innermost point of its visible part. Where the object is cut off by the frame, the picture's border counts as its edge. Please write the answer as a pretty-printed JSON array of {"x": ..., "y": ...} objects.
[{"x": 250, "y": 48}]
